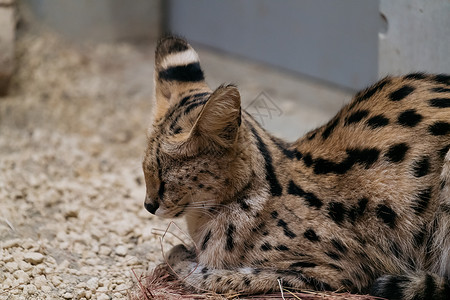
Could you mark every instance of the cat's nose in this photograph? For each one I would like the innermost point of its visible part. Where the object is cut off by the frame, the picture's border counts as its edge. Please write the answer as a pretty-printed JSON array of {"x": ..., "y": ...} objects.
[{"x": 151, "y": 206}]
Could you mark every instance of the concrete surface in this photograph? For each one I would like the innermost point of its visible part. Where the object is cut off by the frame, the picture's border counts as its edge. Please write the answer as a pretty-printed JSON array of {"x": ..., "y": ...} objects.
[
  {"x": 99, "y": 20},
  {"x": 417, "y": 37},
  {"x": 7, "y": 35}
]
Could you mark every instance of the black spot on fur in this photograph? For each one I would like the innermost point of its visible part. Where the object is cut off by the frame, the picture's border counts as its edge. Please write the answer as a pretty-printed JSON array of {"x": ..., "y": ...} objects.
[
  {"x": 347, "y": 283},
  {"x": 329, "y": 129},
  {"x": 205, "y": 240},
  {"x": 295, "y": 190},
  {"x": 192, "y": 98},
  {"x": 287, "y": 232},
  {"x": 439, "y": 128},
  {"x": 440, "y": 90},
  {"x": 204, "y": 270},
  {"x": 177, "y": 130},
  {"x": 307, "y": 159},
  {"x": 417, "y": 76},
  {"x": 310, "y": 198},
  {"x": 396, "y": 153},
  {"x": 275, "y": 187},
  {"x": 358, "y": 210},
  {"x": 303, "y": 264},
  {"x": 311, "y": 235},
  {"x": 401, "y": 93},
  {"x": 377, "y": 121},
  {"x": 282, "y": 248},
  {"x": 266, "y": 246},
  {"x": 365, "y": 157},
  {"x": 442, "y": 78},
  {"x": 274, "y": 214},
  {"x": 387, "y": 215},
  {"x": 362, "y": 204},
  {"x": 430, "y": 288},
  {"x": 187, "y": 73},
  {"x": 230, "y": 242},
  {"x": 259, "y": 227},
  {"x": 242, "y": 197},
  {"x": 440, "y": 102},
  {"x": 421, "y": 167},
  {"x": 310, "y": 136},
  {"x": 356, "y": 117},
  {"x": 333, "y": 255},
  {"x": 284, "y": 147},
  {"x": 422, "y": 201},
  {"x": 369, "y": 92},
  {"x": 389, "y": 287},
  {"x": 161, "y": 190},
  {"x": 336, "y": 211},
  {"x": 409, "y": 118},
  {"x": 247, "y": 281},
  {"x": 395, "y": 249},
  {"x": 335, "y": 267},
  {"x": 444, "y": 151},
  {"x": 339, "y": 246}
]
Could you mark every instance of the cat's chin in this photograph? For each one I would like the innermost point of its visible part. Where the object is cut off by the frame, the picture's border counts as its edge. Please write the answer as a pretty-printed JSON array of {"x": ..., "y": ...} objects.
[
  {"x": 162, "y": 213},
  {"x": 168, "y": 214}
]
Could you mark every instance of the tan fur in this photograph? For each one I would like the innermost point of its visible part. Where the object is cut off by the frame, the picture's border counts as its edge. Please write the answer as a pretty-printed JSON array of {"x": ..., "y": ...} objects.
[{"x": 358, "y": 199}]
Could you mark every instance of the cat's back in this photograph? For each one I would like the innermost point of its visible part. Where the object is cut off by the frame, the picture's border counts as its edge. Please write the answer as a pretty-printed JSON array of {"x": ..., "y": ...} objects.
[
  {"x": 394, "y": 122},
  {"x": 383, "y": 152}
]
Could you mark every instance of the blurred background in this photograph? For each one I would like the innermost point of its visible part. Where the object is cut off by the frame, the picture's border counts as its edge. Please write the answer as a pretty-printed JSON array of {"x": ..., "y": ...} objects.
[
  {"x": 76, "y": 84},
  {"x": 340, "y": 46}
]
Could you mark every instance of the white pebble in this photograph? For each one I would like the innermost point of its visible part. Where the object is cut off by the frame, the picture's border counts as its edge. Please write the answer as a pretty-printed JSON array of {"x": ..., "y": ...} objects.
[
  {"x": 40, "y": 281},
  {"x": 11, "y": 266},
  {"x": 21, "y": 276},
  {"x": 29, "y": 289},
  {"x": 122, "y": 287},
  {"x": 28, "y": 244},
  {"x": 24, "y": 266},
  {"x": 10, "y": 244},
  {"x": 46, "y": 288},
  {"x": 103, "y": 297},
  {"x": 7, "y": 258},
  {"x": 92, "y": 283},
  {"x": 104, "y": 250},
  {"x": 56, "y": 280},
  {"x": 67, "y": 295},
  {"x": 121, "y": 250},
  {"x": 33, "y": 257}
]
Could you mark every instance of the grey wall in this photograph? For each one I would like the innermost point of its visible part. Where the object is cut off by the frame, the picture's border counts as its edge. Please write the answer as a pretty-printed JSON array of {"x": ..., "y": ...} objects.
[
  {"x": 417, "y": 37},
  {"x": 336, "y": 41}
]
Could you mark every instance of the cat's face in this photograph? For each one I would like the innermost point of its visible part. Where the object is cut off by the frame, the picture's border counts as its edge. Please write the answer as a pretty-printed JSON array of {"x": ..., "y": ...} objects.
[
  {"x": 178, "y": 183},
  {"x": 190, "y": 157}
]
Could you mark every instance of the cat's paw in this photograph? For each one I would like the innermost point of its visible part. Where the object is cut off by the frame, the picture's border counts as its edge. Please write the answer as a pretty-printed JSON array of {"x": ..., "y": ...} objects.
[{"x": 180, "y": 253}]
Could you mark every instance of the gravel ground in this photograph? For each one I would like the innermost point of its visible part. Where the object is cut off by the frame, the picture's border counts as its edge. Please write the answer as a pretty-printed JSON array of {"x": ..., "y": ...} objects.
[{"x": 72, "y": 136}]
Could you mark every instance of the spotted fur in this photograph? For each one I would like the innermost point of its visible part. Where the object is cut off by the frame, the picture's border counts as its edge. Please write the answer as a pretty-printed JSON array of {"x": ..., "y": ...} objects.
[{"x": 361, "y": 203}]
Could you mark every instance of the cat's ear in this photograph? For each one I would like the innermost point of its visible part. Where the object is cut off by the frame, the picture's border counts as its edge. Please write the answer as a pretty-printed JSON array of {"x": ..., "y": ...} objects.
[
  {"x": 177, "y": 70},
  {"x": 220, "y": 118}
]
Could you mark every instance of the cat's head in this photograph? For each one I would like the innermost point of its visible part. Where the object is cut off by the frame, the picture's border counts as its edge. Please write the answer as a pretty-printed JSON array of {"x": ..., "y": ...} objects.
[{"x": 192, "y": 157}]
